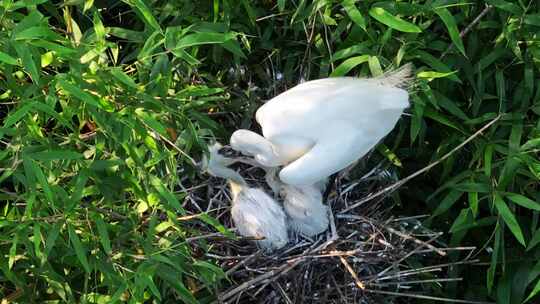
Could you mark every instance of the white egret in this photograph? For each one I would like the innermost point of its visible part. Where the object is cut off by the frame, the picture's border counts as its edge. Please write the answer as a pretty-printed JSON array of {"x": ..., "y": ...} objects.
[
  {"x": 254, "y": 213},
  {"x": 320, "y": 127}
]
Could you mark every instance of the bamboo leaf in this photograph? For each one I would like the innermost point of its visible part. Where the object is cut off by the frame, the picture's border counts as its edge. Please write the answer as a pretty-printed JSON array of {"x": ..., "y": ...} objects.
[
  {"x": 80, "y": 251},
  {"x": 103, "y": 234},
  {"x": 348, "y": 65},
  {"x": 451, "y": 26},
  {"x": 523, "y": 201},
  {"x": 381, "y": 15},
  {"x": 354, "y": 13},
  {"x": 509, "y": 218}
]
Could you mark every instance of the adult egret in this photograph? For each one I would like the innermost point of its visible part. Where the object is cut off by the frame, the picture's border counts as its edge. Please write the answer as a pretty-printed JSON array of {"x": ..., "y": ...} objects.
[
  {"x": 319, "y": 127},
  {"x": 254, "y": 213}
]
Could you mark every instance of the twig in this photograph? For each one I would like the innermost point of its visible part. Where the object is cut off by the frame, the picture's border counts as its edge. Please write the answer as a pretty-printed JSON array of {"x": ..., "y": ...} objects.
[
  {"x": 408, "y": 237},
  {"x": 418, "y": 282},
  {"x": 283, "y": 269},
  {"x": 352, "y": 272},
  {"x": 243, "y": 262},
  {"x": 400, "y": 183},
  {"x": 405, "y": 257}
]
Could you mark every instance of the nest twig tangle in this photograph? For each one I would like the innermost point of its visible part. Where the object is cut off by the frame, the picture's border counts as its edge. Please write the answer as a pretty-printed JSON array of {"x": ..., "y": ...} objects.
[{"x": 366, "y": 255}]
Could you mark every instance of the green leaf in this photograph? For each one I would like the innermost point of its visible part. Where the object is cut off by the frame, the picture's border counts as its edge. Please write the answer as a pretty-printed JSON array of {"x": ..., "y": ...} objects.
[
  {"x": 430, "y": 75},
  {"x": 389, "y": 154},
  {"x": 6, "y": 58},
  {"x": 535, "y": 240},
  {"x": 175, "y": 282},
  {"x": 28, "y": 61},
  {"x": 443, "y": 119},
  {"x": 233, "y": 47},
  {"x": 448, "y": 201},
  {"x": 354, "y": 13},
  {"x": 80, "y": 251},
  {"x": 523, "y": 201},
  {"x": 14, "y": 117},
  {"x": 436, "y": 64},
  {"x": 53, "y": 234},
  {"x": 375, "y": 66},
  {"x": 509, "y": 218},
  {"x": 532, "y": 19},
  {"x": 55, "y": 155},
  {"x": 348, "y": 65},
  {"x": 169, "y": 197},
  {"x": 13, "y": 251},
  {"x": 38, "y": 239},
  {"x": 99, "y": 29},
  {"x": 45, "y": 108},
  {"x": 381, "y": 15},
  {"x": 152, "y": 122},
  {"x": 32, "y": 168},
  {"x": 145, "y": 12},
  {"x": 60, "y": 50},
  {"x": 103, "y": 234},
  {"x": 84, "y": 96},
  {"x": 203, "y": 38},
  {"x": 47, "y": 59},
  {"x": 122, "y": 77},
  {"x": 464, "y": 219},
  {"x": 37, "y": 32},
  {"x": 473, "y": 187},
  {"x": 494, "y": 258},
  {"x": 506, "y": 6},
  {"x": 451, "y": 26},
  {"x": 216, "y": 224},
  {"x": 534, "y": 292},
  {"x": 360, "y": 48},
  {"x": 281, "y": 5}
]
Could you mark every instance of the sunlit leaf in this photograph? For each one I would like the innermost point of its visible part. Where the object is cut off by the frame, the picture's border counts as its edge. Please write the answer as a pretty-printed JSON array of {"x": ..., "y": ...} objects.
[{"x": 381, "y": 15}]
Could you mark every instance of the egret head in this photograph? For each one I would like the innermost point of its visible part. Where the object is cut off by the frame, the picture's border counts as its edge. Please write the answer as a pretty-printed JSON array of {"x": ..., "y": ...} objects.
[
  {"x": 216, "y": 165},
  {"x": 252, "y": 144}
]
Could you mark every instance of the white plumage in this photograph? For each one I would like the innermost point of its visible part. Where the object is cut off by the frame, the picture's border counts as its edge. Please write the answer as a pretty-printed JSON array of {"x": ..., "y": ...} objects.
[
  {"x": 254, "y": 213},
  {"x": 305, "y": 209},
  {"x": 316, "y": 129},
  {"x": 320, "y": 127}
]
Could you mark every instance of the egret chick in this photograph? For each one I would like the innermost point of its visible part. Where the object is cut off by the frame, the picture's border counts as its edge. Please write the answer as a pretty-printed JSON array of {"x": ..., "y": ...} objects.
[
  {"x": 305, "y": 209},
  {"x": 254, "y": 213},
  {"x": 306, "y": 213}
]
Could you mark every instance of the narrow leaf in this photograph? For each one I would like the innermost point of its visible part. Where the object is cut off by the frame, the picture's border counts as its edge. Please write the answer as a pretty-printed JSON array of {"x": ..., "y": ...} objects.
[
  {"x": 354, "y": 13},
  {"x": 80, "y": 251},
  {"x": 103, "y": 234},
  {"x": 381, "y": 15},
  {"x": 348, "y": 65},
  {"x": 523, "y": 201},
  {"x": 6, "y": 58},
  {"x": 509, "y": 218}
]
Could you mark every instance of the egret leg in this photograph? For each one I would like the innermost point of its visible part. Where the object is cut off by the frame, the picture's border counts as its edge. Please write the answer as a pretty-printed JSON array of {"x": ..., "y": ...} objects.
[{"x": 334, "y": 151}]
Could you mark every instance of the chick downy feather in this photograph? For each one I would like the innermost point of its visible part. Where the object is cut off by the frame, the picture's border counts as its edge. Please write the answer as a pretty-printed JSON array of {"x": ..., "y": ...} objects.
[
  {"x": 254, "y": 213},
  {"x": 306, "y": 212}
]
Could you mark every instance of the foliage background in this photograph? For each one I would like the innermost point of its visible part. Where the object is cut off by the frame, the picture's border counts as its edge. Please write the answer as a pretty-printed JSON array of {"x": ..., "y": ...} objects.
[{"x": 93, "y": 93}]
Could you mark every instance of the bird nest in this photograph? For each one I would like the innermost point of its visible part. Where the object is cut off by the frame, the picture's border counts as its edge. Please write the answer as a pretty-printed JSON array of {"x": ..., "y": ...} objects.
[{"x": 366, "y": 255}]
